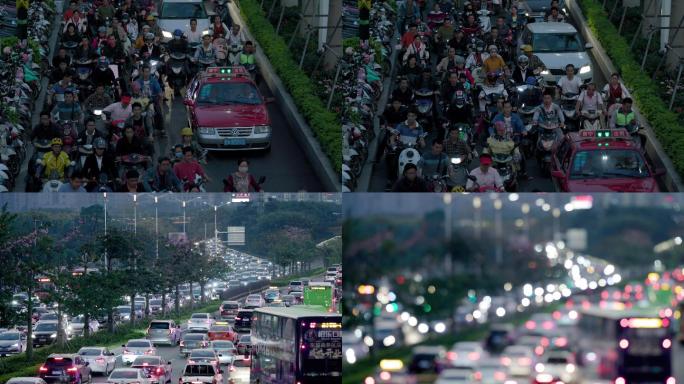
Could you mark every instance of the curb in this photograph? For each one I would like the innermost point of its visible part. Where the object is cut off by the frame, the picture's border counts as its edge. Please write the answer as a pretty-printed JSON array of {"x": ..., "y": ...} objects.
[
  {"x": 302, "y": 132},
  {"x": 368, "y": 168},
  {"x": 654, "y": 151}
]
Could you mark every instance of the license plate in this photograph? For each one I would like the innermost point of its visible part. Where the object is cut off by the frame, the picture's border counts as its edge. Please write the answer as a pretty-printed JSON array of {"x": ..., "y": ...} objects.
[
  {"x": 56, "y": 372},
  {"x": 234, "y": 142}
]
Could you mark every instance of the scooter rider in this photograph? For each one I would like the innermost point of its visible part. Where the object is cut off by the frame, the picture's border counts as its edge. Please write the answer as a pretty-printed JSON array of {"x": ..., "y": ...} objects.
[
  {"x": 161, "y": 178},
  {"x": 588, "y": 100},
  {"x": 623, "y": 116},
  {"x": 568, "y": 83},
  {"x": 535, "y": 63},
  {"x": 103, "y": 74},
  {"x": 121, "y": 110},
  {"x": 46, "y": 129},
  {"x": 98, "y": 100},
  {"x": 151, "y": 48},
  {"x": 178, "y": 45},
  {"x": 549, "y": 112},
  {"x": 205, "y": 54},
  {"x": 615, "y": 90},
  {"x": 56, "y": 160},
  {"x": 130, "y": 144},
  {"x": 410, "y": 128},
  {"x": 193, "y": 35},
  {"x": 242, "y": 180},
  {"x": 410, "y": 181},
  {"x": 89, "y": 134},
  {"x": 187, "y": 141},
  {"x": 236, "y": 36},
  {"x": 69, "y": 109},
  {"x": 150, "y": 88},
  {"x": 187, "y": 168},
  {"x": 248, "y": 59},
  {"x": 522, "y": 70},
  {"x": 502, "y": 142},
  {"x": 435, "y": 162},
  {"x": 486, "y": 176},
  {"x": 99, "y": 162}
]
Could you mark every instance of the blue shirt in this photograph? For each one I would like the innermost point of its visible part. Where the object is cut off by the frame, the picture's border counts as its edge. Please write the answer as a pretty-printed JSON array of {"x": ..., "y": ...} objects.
[
  {"x": 516, "y": 123},
  {"x": 404, "y": 130}
]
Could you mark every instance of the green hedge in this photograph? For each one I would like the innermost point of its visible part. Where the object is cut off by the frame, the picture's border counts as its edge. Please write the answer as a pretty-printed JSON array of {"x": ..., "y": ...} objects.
[
  {"x": 323, "y": 122},
  {"x": 667, "y": 129}
]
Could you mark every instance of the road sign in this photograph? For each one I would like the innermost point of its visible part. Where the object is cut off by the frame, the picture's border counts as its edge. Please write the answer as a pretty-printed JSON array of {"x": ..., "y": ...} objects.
[{"x": 236, "y": 235}]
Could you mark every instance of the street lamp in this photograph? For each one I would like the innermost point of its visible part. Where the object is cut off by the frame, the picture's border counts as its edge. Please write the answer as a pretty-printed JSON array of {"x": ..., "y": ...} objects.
[
  {"x": 135, "y": 214},
  {"x": 477, "y": 204},
  {"x": 156, "y": 226},
  {"x": 497, "y": 217},
  {"x": 525, "y": 208},
  {"x": 104, "y": 195},
  {"x": 215, "y": 227},
  {"x": 183, "y": 216}
]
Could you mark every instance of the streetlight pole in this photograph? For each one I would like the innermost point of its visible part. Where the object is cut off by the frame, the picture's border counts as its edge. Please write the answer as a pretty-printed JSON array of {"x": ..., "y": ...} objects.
[
  {"x": 556, "y": 224},
  {"x": 477, "y": 204},
  {"x": 156, "y": 227},
  {"x": 447, "y": 232},
  {"x": 135, "y": 215},
  {"x": 525, "y": 208},
  {"x": 183, "y": 216},
  {"x": 215, "y": 227},
  {"x": 499, "y": 235},
  {"x": 105, "y": 227}
]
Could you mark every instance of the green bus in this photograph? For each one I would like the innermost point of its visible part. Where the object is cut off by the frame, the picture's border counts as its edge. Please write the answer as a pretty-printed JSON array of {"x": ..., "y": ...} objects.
[{"x": 319, "y": 293}]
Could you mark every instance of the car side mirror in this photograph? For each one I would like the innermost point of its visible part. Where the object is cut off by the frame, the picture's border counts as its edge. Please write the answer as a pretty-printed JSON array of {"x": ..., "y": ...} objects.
[
  {"x": 220, "y": 355},
  {"x": 123, "y": 345},
  {"x": 588, "y": 46},
  {"x": 557, "y": 174},
  {"x": 659, "y": 172},
  {"x": 269, "y": 100}
]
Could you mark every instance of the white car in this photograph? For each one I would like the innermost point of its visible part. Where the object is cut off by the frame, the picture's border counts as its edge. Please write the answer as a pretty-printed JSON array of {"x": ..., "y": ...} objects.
[
  {"x": 465, "y": 354},
  {"x": 200, "y": 321},
  {"x": 176, "y": 14},
  {"x": 101, "y": 359},
  {"x": 137, "y": 347},
  {"x": 254, "y": 301},
  {"x": 519, "y": 360},
  {"x": 25, "y": 380},
  {"x": 128, "y": 376},
  {"x": 491, "y": 371},
  {"x": 455, "y": 376},
  {"x": 12, "y": 342},
  {"x": 557, "y": 45},
  {"x": 239, "y": 370},
  {"x": 560, "y": 365},
  {"x": 201, "y": 373},
  {"x": 224, "y": 349},
  {"x": 77, "y": 325}
]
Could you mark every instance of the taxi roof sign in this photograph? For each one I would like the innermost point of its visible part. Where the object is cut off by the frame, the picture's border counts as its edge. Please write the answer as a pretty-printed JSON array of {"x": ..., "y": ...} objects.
[
  {"x": 236, "y": 70},
  {"x": 604, "y": 133}
]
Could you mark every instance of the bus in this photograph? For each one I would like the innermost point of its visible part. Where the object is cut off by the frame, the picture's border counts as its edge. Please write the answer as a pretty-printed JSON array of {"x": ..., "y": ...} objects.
[
  {"x": 630, "y": 345},
  {"x": 300, "y": 344},
  {"x": 319, "y": 293}
]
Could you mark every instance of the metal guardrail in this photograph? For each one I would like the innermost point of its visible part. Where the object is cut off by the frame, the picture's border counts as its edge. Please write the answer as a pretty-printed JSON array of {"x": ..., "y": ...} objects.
[{"x": 671, "y": 181}]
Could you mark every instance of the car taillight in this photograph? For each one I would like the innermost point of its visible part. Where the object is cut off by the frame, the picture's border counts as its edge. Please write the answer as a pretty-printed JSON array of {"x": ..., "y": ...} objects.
[
  {"x": 191, "y": 361},
  {"x": 72, "y": 370},
  {"x": 126, "y": 351},
  {"x": 182, "y": 343},
  {"x": 530, "y": 324},
  {"x": 42, "y": 368},
  {"x": 100, "y": 360},
  {"x": 452, "y": 355},
  {"x": 478, "y": 375},
  {"x": 237, "y": 318},
  {"x": 232, "y": 368},
  {"x": 524, "y": 361},
  {"x": 506, "y": 361},
  {"x": 500, "y": 376},
  {"x": 149, "y": 351},
  {"x": 159, "y": 371},
  {"x": 473, "y": 356}
]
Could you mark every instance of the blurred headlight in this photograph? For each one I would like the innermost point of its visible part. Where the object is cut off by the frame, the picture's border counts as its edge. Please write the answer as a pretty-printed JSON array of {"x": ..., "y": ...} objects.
[
  {"x": 167, "y": 34},
  {"x": 585, "y": 69},
  {"x": 262, "y": 129},
  {"x": 207, "y": 131}
]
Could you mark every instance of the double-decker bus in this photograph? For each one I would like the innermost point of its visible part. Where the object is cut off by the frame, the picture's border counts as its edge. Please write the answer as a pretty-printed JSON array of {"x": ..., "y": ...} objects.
[
  {"x": 630, "y": 346},
  {"x": 299, "y": 344}
]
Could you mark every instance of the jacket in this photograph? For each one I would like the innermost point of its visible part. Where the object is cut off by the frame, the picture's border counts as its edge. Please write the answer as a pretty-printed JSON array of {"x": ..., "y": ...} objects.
[
  {"x": 231, "y": 187},
  {"x": 516, "y": 122},
  {"x": 91, "y": 170},
  {"x": 54, "y": 163},
  {"x": 153, "y": 181},
  {"x": 404, "y": 185},
  {"x": 83, "y": 137}
]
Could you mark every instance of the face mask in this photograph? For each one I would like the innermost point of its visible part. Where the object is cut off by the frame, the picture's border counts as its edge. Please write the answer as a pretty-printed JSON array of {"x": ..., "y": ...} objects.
[
  {"x": 243, "y": 169},
  {"x": 179, "y": 155}
]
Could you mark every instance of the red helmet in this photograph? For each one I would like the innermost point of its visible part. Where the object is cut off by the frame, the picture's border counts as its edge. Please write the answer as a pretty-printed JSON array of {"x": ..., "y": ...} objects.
[{"x": 68, "y": 141}]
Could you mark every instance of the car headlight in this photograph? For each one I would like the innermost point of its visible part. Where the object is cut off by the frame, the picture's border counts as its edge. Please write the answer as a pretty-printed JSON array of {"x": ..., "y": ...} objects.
[
  {"x": 545, "y": 72},
  {"x": 262, "y": 129},
  {"x": 167, "y": 34},
  {"x": 207, "y": 131},
  {"x": 585, "y": 69},
  {"x": 15, "y": 345},
  {"x": 14, "y": 302},
  {"x": 54, "y": 335},
  {"x": 205, "y": 32},
  {"x": 33, "y": 336}
]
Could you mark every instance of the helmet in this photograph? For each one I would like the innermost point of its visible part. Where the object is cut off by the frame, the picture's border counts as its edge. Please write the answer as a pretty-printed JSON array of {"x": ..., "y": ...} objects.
[
  {"x": 493, "y": 47},
  {"x": 102, "y": 29},
  {"x": 531, "y": 80},
  {"x": 56, "y": 141},
  {"x": 149, "y": 36},
  {"x": 100, "y": 143},
  {"x": 187, "y": 131},
  {"x": 69, "y": 141},
  {"x": 178, "y": 33},
  {"x": 149, "y": 17},
  {"x": 459, "y": 60},
  {"x": 144, "y": 27},
  {"x": 522, "y": 59},
  {"x": 526, "y": 48},
  {"x": 124, "y": 16}
]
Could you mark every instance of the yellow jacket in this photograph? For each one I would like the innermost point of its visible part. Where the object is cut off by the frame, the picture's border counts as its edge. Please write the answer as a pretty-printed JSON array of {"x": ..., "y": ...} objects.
[
  {"x": 493, "y": 64},
  {"x": 54, "y": 163}
]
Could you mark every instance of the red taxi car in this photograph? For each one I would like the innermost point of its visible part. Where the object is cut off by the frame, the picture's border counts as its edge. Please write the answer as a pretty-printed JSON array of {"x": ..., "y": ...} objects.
[
  {"x": 227, "y": 112},
  {"x": 601, "y": 161},
  {"x": 221, "y": 330}
]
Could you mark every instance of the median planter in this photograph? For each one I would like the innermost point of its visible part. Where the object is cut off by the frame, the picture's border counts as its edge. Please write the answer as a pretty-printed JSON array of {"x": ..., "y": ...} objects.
[
  {"x": 323, "y": 123},
  {"x": 668, "y": 130}
]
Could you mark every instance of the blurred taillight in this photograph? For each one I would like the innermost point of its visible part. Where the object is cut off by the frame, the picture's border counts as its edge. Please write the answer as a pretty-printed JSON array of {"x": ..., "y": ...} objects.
[
  {"x": 100, "y": 360},
  {"x": 72, "y": 370},
  {"x": 530, "y": 324},
  {"x": 237, "y": 318},
  {"x": 506, "y": 361},
  {"x": 500, "y": 376},
  {"x": 473, "y": 355},
  {"x": 182, "y": 343},
  {"x": 478, "y": 375},
  {"x": 452, "y": 355},
  {"x": 524, "y": 361},
  {"x": 42, "y": 368}
]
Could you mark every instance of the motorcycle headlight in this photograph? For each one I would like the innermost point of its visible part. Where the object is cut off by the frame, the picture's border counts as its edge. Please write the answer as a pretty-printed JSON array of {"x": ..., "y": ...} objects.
[
  {"x": 154, "y": 63},
  {"x": 207, "y": 131},
  {"x": 585, "y": 69},
  {"x": 262, "y": 129},
  {"x": 545, "y": 72},
  {"x": 167, "y": 34},
  {"x": 205, "y": 32},
  {"x": 97, "y": 112}
]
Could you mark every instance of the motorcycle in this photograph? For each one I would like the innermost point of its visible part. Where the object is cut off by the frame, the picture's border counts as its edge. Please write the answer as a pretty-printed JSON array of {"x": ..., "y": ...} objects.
[
  {"x": 458, "y": 175},
  {"x": 52, "y": 184},
  {"x": 176, "y": 71},
  {"x": 635, "y": 131},
  {"x": 424, "y": 101},
  {"x": 83, "y": 152},
  {"x": 132, "y": 161},
  {"x": 591, "y": 120},
  {"x": 503, "y": 163},
  {"x": 407, "y": 150},
  {"x": 545, "y": 142},
  {"x": 485, "y": 21},
  {"x": 198, "y": 182},
  {"x": 568, "y": 103},
  {"x": 438, "y": 183},
  {"x": 221, "y": 9},
  {"x": 234, "y": 54},
  {"x": 483, "y": 188},
  {"x": 527, "y": 99}
]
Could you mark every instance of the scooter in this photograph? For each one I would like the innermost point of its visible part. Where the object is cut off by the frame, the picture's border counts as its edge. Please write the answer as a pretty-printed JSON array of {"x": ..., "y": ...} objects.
[
  {"x": 503, "y": 163},
  {"x": 545, "y": 142},
  {"x": 567, "y": 104},
  {"x": 234, "y": 54},
  {"x": 424, "y": 102},
  {"x": 458, "y": 175},
  {"x": 480, "y": 188},
  {"x": 591, "y": 120},
  {"x": 409, "y": 153},
  {"x": 485, "y": 21},
  {"x": 176, "y": 73},
  {"x": 132, "y": 161}
]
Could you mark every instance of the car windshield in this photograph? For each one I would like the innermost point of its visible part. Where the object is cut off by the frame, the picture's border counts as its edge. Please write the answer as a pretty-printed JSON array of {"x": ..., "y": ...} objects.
[
  {"x": 230, "y": 306},
  {"x": 77, "y": 319},
  {"x": 608, "y": 164},
  {"x": 199, "y": 316},
  {"x": 183, "y": 11},
  {"x": 9, "y": 336},
  {"x": 194, "y": 336},
  {"x": 557, "y": 360},
  {"x": 49, "y": 316},
  {"x": 229, "y": 93},
  {"x": 46, "y": 327},
  {"x": 245, "y": 339},
  {"x": 124, "y": 375},
  {"x": 89, "y": 352},
  {"x": 138, "y": 344},
  {"x": 199, "y": 370},
  {"x": 556, "y": 42},
  {"x": 124, "y": 310},
  {"x": 220, "y": 328},
  {"x": 146, "y": 360}
]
